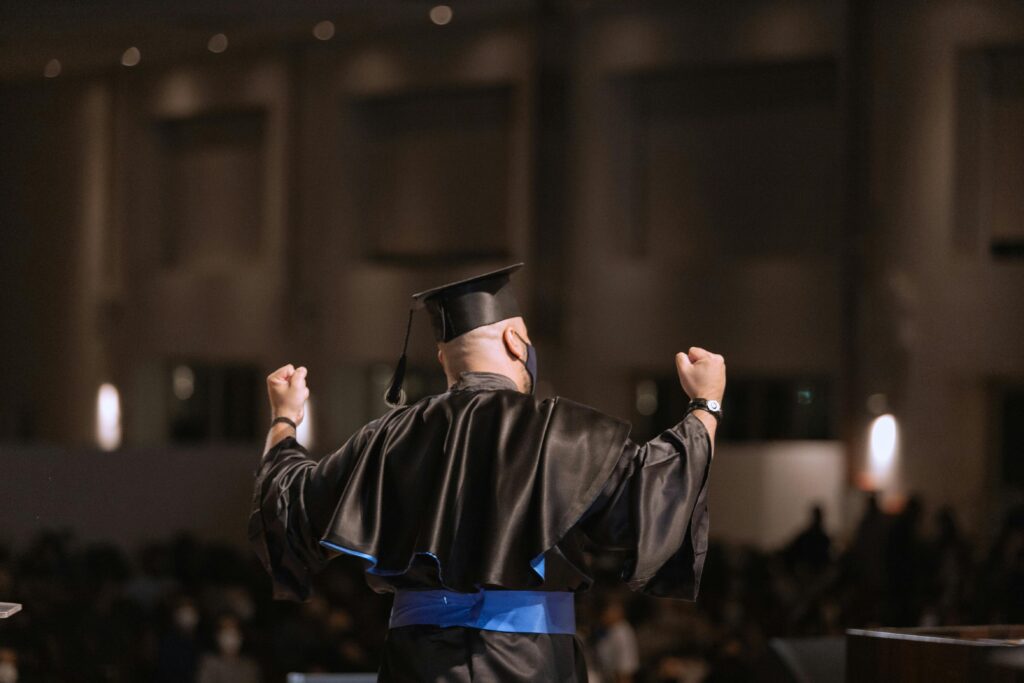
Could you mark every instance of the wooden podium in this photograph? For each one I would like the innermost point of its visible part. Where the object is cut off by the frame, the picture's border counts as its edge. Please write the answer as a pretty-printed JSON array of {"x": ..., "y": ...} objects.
[{"x": 933, "y": 655}]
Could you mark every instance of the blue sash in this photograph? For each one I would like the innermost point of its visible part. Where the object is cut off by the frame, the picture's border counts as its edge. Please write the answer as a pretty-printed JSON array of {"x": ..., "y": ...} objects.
[{"x": 488, "y": 610}]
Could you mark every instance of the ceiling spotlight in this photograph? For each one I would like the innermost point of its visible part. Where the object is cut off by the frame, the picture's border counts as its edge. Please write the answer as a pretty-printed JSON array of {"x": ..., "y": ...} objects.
[
  {"x": 52, "y": 69},
  {"x": 217, "y": 44},
  {"x": 324, "y": 30},
  {"x": 441, "y": 14},
  {"x": 131, "y": 57}
]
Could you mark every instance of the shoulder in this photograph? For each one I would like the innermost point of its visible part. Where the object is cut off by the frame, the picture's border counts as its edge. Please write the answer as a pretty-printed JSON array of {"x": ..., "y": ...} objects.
[
  {"x": 559, "y": 413},
  {"x": 570, "y": 412}
]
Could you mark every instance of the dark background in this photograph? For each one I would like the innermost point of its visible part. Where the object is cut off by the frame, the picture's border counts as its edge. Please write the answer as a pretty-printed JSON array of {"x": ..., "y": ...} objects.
[{"x": 831, "y": 194}]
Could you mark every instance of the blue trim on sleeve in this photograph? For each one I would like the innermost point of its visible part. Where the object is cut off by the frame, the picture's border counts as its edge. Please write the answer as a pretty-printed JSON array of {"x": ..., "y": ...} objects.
[
  {"x": 348, "y": 551},
  {"x": 537, "y": 564},
  {"x": 372, "y": 569}
]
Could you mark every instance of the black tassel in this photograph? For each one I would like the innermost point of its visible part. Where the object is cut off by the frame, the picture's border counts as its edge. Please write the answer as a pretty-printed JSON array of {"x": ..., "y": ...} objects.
[{"x": 395, "y": 395}]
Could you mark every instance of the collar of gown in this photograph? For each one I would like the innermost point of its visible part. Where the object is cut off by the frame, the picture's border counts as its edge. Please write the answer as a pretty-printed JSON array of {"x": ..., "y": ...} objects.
[{"x": 483, "y": 381}]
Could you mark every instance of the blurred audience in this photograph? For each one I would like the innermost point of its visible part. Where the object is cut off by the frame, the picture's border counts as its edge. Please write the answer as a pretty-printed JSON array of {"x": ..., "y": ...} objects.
[
  {"x": 185, "y": 611},
  {"x": 8, "y": 665},
  {"x": 615, "y": 649},
  {"x": 809, "y": 554},
  {"x": 178, "y": 652},
  {"x": 227, "y": 664}
]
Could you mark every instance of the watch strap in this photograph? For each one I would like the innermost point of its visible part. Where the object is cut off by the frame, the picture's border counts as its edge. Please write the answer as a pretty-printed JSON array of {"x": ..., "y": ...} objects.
[
  {"x": 703, "y": 404},
  {"x": 285, "y": 420}
]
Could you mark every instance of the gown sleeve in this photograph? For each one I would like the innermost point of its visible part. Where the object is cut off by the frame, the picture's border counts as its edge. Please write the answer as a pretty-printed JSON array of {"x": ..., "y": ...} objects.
[
  {"x": 654, "y": 508},
  {"x": 292, "y": 503}
]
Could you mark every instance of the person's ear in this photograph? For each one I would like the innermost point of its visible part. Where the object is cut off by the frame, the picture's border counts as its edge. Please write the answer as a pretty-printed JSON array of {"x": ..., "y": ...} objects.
[
  {"x": 440, "y": 356},
  {"x": 515, "y": 346}
]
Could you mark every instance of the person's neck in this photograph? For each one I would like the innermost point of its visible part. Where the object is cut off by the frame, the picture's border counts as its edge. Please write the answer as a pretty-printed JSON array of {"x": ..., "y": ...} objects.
[{"x": 483, "y": 379}]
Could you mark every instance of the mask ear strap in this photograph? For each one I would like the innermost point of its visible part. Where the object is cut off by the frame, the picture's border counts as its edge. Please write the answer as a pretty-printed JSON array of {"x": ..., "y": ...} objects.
[{"x": 526, "y": 364}]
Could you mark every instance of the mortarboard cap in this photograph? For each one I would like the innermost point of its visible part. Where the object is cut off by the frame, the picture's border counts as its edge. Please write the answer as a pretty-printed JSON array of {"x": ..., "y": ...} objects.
[{"x": 457, "y": 308}]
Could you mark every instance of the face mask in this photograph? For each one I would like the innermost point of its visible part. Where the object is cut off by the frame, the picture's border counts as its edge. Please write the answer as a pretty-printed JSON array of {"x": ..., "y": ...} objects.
[
  {"x": 229, "y": 641},
  {"x": 530, "y": 363},
  {"x": 8, "y": 673}
]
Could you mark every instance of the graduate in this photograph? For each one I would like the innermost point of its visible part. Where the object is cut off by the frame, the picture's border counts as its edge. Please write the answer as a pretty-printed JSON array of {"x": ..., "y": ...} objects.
[{"x": 474, "y": 506}]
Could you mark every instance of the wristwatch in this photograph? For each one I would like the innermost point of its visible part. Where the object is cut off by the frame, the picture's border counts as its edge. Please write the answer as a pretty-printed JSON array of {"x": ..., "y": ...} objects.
[{"x": 710, "y": 405}]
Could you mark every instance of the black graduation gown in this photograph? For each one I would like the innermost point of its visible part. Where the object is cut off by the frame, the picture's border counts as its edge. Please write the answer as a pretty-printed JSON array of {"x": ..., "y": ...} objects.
[{"x": 486, "y": 487}]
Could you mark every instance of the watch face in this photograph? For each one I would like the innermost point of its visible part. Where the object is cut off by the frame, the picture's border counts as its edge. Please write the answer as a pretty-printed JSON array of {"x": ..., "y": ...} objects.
[{"x": 714, "y": 406}]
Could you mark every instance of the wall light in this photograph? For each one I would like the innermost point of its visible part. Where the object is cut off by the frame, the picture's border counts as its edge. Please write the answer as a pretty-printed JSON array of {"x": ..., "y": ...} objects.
[
  {"x": 183, "y": 382},
  {"x": 108, "y": 417},
  {"x": 884, "y": 442},
  {"x": 52, "y": 69},
  {"x": 646, "y": 397}
]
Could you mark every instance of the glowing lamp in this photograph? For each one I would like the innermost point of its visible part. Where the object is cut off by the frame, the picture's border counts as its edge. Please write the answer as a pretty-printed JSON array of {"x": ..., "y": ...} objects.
[
  {"x": 108, "y": 417},
  {"x": 883, "y": 442}
]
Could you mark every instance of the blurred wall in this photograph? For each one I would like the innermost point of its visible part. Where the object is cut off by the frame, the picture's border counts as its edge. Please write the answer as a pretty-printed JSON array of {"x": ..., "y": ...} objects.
[
  {"x": 130, "y": 497},
  {"x": 760, "y": 494},
  {"x": 942, "y": 320},
  {"x": 796, "y": 184}
]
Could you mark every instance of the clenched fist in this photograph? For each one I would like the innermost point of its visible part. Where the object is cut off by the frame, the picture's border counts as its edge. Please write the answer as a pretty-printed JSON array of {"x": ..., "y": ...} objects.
[
  {"x": 701, "y": 373},
  {"x": 288, "y": 393}
]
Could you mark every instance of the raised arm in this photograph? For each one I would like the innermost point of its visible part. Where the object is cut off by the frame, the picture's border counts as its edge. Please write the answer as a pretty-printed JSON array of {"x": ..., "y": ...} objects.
[
  {"x": 702, "y": 375},
  {"x": 294, "y": 495},
  {"x": 654, "y": 506},
  {"x": 287, "y": 390}
]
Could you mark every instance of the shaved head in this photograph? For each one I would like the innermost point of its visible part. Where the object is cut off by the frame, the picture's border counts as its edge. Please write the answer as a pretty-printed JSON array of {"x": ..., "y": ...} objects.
[{"x": 499, "y": 348}]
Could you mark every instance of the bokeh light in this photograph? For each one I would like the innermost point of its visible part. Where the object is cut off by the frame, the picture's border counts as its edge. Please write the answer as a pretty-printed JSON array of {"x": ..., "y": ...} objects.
[
  {"x": 218, "y": 43},
  {"x": 441, "y": 14},
  {"x": 131, "y": 56},
  {"x": 324, "y": 30},
  {"x": 108, "y": 417},
  {"x": 884, "y": 440}
]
